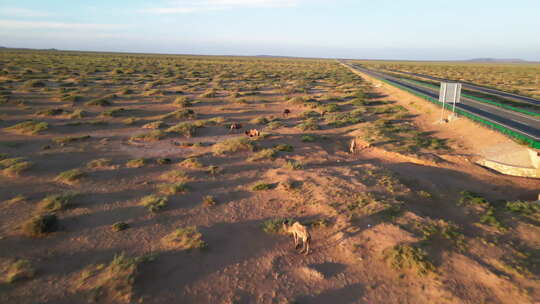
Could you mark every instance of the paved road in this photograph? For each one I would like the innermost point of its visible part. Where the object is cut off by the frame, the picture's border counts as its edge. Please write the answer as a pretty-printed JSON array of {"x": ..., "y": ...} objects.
[
  {"x": 474, "y": 87},
  {"x": 521, "y": 123}
]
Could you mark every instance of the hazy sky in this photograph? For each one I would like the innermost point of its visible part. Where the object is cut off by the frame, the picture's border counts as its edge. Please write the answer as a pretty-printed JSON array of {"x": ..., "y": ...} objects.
[{"x": 376, "y": 29}]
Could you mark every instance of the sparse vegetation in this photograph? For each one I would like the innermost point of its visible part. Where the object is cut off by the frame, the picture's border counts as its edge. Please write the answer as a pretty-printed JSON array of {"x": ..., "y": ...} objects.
[
  {"x": 233, "y": 145},
  {"x": 408, "y": 257},
  {"x": 31, "y": 127},
  {"x": 262, "y": 186},
  {"x": 57, "y": 202},
  {"x": 274, "y": 225},
  {"x": 209, "y": 201},
  {"x": 119, "y": 226},
  {"x": 263, "y": 154},
  {"x": 184, "y": 239},
  {"x": 154, "y": 203},
  {"x": 172, "y": 189},
  {"x": 19, "y": 270},
  {"x": 70, "y": 176},
  {"x": 40, "y": 225},
  {"x": 136, "y": 163}
]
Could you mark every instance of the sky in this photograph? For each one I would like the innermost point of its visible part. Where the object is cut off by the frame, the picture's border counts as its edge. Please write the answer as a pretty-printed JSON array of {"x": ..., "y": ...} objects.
[{"x": 362, "y": 29}]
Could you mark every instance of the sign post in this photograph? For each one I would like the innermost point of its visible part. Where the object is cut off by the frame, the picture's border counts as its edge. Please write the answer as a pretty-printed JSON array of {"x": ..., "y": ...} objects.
[{"x": 450, "y": 92}]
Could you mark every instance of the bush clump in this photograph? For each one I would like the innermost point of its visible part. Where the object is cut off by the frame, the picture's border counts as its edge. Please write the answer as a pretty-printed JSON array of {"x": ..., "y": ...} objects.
[
  {"x": 232, "y": 145},
  {"x": 40, "y": 225},
  {"x": 408, "y": 257},
  {"x": 57, "y": 202},
  {"x": 19, "y": 270},
  {"x": 30, "y": 127},
  {"x": 184, "y": 239},
  {"x": 70, "y": 176},
  {"x": 154, "y": 203}
]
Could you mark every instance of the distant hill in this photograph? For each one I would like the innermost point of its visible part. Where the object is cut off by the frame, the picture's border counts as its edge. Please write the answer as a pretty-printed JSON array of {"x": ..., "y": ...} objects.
[{"x": 496, "y": 60}]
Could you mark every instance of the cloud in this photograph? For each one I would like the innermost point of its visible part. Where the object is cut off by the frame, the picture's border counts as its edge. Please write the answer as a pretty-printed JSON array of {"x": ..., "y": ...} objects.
[
  {"x": 189, "y": 6},
  {"x": 17, "y": 24},
  {"x": 21, "y": 12}
]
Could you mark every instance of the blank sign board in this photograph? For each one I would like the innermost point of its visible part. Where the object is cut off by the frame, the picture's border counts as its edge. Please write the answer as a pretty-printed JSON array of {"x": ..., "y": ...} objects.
[{"x": 450, "y": 92}]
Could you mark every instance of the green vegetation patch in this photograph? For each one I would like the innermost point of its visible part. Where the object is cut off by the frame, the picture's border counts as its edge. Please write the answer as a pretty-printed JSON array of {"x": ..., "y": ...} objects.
[
  {"x": 40, "y": 225},
  {"x": 57, "y": 202},
  {"x": 70, "y": 176},
  {"x": 154, "y": 203},
  {"x": 30, "y": 127},
  {"x": 232, "y": 145},
  {"x": 20, "y": 269},
  {"x": 185, "y": 238},
  {"x": 405, "y": 256}
]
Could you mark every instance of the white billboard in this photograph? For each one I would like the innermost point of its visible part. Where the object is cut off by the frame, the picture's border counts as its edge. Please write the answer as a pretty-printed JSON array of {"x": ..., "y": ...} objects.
[{"x": 450, "y": 92}]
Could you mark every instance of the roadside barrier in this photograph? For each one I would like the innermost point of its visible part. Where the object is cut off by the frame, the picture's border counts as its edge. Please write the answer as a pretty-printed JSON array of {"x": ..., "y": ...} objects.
[
  {"x": 510, "y": 133},
  {"x": 480, "y": 99}
]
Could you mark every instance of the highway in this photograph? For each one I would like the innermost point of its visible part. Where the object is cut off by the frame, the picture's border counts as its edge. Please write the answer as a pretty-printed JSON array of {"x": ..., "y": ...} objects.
[
  {"x": 518, "y": 122},
  {"x": 470, "y": 86}
]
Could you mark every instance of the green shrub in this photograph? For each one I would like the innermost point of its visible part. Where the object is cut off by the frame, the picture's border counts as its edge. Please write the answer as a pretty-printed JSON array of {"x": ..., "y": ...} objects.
[
  {"x": 175, "y": 176},
  {"x": 191, "y": 162},
  {"x": 293, "y": 165},
  {"x": 101, "y": 102},
  {"x": 309, "y": 138},
  {"x": 40, "y": 225},
  {"x": 154, "y": 135},
  {"x": 171, "y": 189},
  {"x": 136, "y": 163},
  {"x": 154, "y": 125},
  {"x": 209, "y": 201},
  {"x": 263, "y": 154},
  {"x": 99, "y": 163},
  {"x": 309, "y": 124},
  {"x": 68, "y": 139},
  {"x": 232, "y": 145},
  {"x": 51, "y": 112},
  {"x": 163, "y": 161},
  {"x": 526, "y": 208},
  {"x": 284, "y": 148},
  {"x": 57, "y": 202},
  {"x": 119, "y": 226},
  {"x": 183, "y": 101},
  {"x": 330, "y": 107},
  {"x": 154, "y": 203},
  {"x": 408, "y": 257},
  {"x": 185, "y": 238},
  {"x": 16, "y": 167},
  {"x": 19, "y": 270},
  {"x": 261, "y": 120},
  {"x": 471, "y": 198},
  {"x": 262, "y": 186},
  {"x": 70, "y": 176},
  {"x": 30, "y": 127},
  {"x": 274, "y": 226},
  {"x": 186, "y": 129},
  {"x": 181, "y": 114}
]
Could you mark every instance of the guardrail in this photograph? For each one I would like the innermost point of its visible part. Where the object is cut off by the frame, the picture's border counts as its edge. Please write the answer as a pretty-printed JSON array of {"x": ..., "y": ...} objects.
[
  {"x": 481, "y": 99},
  {"x": 523, "y": 138}
]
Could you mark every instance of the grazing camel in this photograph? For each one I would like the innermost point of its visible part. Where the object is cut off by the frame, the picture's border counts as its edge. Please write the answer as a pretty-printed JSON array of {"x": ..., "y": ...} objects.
[
  {"x": 299, "y": 232},
  {"x": 234, "y": 126},
  {"x": 358, "y": 144},
  {"x": 286, "y": 112},
  {"x": 253, "y": 133}
]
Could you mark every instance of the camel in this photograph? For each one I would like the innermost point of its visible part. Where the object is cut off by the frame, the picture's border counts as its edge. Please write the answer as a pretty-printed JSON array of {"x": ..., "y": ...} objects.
[
  {"x": 253, "y": 133},
  {"x": 234, "y": 126},
  {"x": 299, "y": 232},
  {"x": 286, "y": 112}
]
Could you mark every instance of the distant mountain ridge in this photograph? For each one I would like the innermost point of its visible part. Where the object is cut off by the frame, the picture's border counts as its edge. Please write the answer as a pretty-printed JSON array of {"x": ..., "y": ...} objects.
[{"x": 497, "y": 60}]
